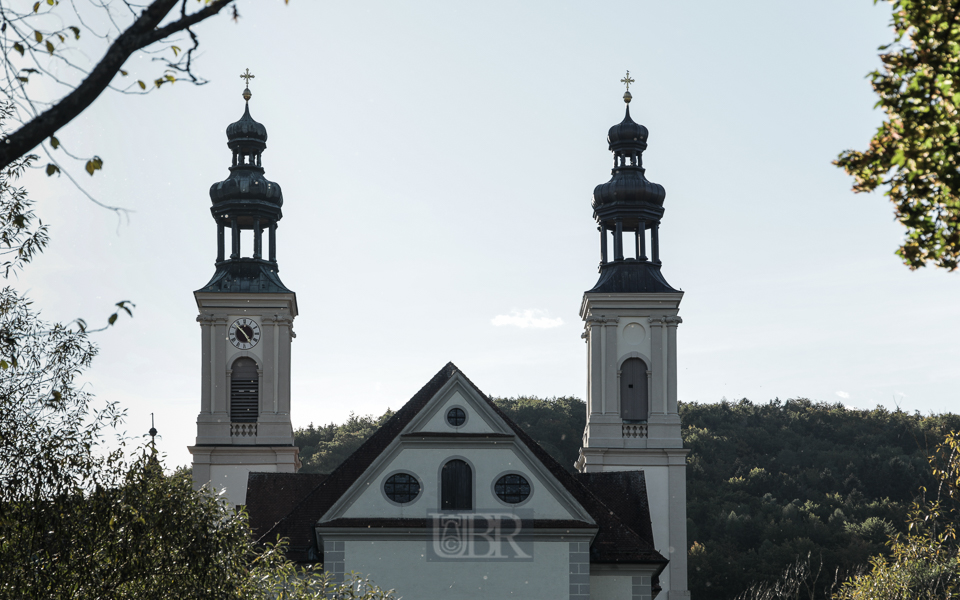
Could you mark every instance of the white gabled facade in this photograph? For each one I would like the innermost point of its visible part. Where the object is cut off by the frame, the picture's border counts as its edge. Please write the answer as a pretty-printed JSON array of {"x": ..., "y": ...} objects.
[{"x": 396, "y": 544}]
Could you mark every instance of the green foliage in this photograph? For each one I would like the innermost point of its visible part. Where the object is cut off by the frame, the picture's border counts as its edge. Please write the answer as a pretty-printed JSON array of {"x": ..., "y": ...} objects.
[
  {"x": 323, "y": 448},
  {"x": 769, "y": 483},
  {"x": 766, "y": 483},
  {"x": 915, "y": 154},
  {"x": 924, "y": 562},
  {"x": 555, "y": 423}
]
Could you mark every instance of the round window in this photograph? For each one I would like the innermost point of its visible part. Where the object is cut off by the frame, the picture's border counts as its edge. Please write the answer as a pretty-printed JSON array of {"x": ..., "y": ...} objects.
[
  {"x": 402, "y": 488},
  {"x": 456, "y": 417},
  {"x": 512, "y": 489}
]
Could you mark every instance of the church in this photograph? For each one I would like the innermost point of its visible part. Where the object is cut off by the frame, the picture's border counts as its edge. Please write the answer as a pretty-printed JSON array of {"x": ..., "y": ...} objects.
[{"x": 450, "y": 498}]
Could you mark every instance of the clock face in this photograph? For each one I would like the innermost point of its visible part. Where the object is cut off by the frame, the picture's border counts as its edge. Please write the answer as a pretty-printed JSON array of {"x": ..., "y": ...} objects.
[{"x": 244, "y": 333}]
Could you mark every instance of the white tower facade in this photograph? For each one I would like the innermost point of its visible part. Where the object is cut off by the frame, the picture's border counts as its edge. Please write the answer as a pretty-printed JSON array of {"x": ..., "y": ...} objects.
[
  {"x": 630, "y": 320},
  {"x": 246, "y": 321}
]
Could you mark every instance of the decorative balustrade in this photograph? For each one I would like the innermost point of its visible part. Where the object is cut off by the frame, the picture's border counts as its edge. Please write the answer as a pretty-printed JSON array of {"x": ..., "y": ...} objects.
[
  {"x": 243, "y": 430},
  {"x": 634, "y": 430}
]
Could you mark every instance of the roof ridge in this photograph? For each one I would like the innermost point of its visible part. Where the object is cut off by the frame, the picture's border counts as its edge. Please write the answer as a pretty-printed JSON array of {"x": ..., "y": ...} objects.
[{"x": 384, "y": 434}]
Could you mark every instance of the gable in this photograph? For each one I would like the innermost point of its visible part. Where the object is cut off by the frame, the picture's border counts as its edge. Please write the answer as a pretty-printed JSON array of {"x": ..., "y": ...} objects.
[
  {"x": 615, "y": 542},
  {"x": 483, "y": 440},
  {"x": 475, "y": 414}
]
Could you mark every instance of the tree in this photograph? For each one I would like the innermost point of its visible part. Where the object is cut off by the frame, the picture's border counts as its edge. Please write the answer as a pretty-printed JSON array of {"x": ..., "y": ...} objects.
[
  {"x": 44, "y": 41},
  {"x": 924, "y": 563},
  {"x": 915, "y": 153},
  {"x": 79, "y": 519}
]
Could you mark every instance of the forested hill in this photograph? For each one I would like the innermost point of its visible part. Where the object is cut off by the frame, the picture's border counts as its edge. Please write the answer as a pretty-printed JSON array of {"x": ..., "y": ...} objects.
[{"x": 766, "y": 483}]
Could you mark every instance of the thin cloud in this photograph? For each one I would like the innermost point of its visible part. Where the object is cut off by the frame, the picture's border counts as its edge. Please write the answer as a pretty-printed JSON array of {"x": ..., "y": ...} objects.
[
  {"x": 527, "y": 318},
  {"x": 843, "y": 395}
]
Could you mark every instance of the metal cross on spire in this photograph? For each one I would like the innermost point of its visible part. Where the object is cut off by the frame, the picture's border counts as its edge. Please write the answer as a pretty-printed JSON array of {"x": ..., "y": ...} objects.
[
  {"x": 627, "y": 81},
  {"x": 246, "y": 92}
]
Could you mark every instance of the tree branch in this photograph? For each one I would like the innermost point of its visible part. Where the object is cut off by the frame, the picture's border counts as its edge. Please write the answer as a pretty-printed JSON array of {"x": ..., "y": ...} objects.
[{"x": 140, "y": 34}]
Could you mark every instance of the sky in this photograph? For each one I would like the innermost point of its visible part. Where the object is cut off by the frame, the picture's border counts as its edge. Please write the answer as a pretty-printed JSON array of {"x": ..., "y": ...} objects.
[{"x": 437, "y": 161}]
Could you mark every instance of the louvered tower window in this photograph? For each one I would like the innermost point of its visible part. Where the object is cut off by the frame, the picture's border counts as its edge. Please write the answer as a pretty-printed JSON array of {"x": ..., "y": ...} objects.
[
  {"x": 244, "y": 391},
  {"x": 456, "y": 486},
  {"x": 633, "y": 390}
]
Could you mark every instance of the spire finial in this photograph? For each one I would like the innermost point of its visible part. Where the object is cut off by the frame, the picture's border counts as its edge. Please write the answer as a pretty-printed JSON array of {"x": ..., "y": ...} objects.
[
  {"x": 247, "y": 75},
  {"x": 627, "y": 81},
  {"x": 152, "y": 433}
]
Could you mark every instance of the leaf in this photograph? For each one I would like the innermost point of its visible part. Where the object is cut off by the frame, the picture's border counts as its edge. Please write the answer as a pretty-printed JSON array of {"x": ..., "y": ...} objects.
[
  {"x": 49, "y": 47},
  {"x": 54, "y": 142},
  {"x": 51, "y": 2},
  {"x": 36, "y": 7},
  {"x": 51, "y": 169},
  {"x": 23, "y": 79},
  {"x": 37, "y": 35},
  {"x": 176, "y": 50},
  {"x": 112, "y": 319},
  {"x": 142, "y": 85},
  {"x": 75, "y": 30},
  {"x": 18, "y": 48},
  {"x": 94, "y": 164},
  {"x": 124, "y": 73},
  {"x": 4, "y": 365}
]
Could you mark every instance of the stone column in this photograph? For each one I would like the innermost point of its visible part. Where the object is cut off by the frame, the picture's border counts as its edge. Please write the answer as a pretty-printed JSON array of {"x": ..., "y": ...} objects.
[
  {"x": 677, "y": 485},
  {"x": 273, "y": 242},
  {"x": 220, "y": 242},
  {"x": 206, "y": 366},
  {"x": 611, "y": 389},
  {"x": 221, "y": 386},
  {"x": 268, "y": 397},
  {"x": 657, "y": 405},
  {"x": 603, "y": 245},
  {"x": 595, "y": 367},
  {"x": 282, "y": 368},
  {"x": 618, "y": 241},
  {"x": 671, "y": 323}
]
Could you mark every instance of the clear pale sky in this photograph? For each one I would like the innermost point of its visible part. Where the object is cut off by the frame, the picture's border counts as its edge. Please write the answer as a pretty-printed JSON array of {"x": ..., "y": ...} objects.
[{"x": 437, "y": 161}]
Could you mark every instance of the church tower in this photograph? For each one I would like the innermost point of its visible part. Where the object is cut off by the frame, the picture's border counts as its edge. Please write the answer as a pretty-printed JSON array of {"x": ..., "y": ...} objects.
[
  {"x": 631, "y": 320},
  {"x": 246, "y": 322}
]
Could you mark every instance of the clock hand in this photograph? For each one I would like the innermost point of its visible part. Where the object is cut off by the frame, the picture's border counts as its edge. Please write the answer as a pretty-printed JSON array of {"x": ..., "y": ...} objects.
[{"x": 240, "y": 330}]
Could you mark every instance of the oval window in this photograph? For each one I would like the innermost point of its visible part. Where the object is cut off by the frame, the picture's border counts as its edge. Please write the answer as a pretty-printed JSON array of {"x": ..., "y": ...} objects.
[
  {"x": 512, "y": 488},
  {"x": 456, "y": 417},
  {"x": 402, "y": 488}
]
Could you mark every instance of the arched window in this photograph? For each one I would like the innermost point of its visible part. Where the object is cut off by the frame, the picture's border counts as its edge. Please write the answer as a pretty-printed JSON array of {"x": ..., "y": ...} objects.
[
  {"x": 634, "y": 405},
  {"x": 244, "y": 391},
  {"x": 456, "y": 486}
]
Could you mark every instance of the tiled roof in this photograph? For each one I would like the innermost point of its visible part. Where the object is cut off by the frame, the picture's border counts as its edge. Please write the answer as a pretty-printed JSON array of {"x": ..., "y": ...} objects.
[
  {"x": 271, "y": 496},
  {"x": 625, "y": 494},
  {"x": 616, "y": 541}
]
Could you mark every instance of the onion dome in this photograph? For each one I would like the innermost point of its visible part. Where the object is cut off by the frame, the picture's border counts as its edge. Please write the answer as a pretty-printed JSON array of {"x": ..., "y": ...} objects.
[
  {"x": 629, "y": 206},
  {"x": 627, "y": 134},
  {"x": 247, "y": 138},
  {"x": 246, "y": 130},
  {"x": 246, "y": 201},
  {"x": 628, "y": 186}
]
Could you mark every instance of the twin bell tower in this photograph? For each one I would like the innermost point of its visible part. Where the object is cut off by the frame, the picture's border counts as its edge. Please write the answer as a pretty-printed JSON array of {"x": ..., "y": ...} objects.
[
  {"x": 246, "y": 320},
  {"x": 630, "y": 326}
]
